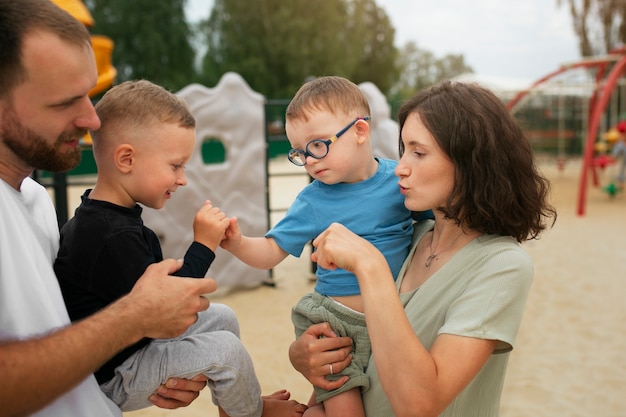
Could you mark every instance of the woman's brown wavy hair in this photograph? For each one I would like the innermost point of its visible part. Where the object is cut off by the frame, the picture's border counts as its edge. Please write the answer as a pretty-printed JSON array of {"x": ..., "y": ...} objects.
[{"x": 498, "y": 188}]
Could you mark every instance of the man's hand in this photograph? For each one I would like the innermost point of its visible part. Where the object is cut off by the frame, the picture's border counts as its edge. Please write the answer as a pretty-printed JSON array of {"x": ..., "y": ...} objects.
[
  {"x": 161, "y": 306},
  {"x": 178, "y": 392}
]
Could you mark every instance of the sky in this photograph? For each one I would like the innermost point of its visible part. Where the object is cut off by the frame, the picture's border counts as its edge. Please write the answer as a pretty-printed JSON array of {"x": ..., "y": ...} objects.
[{"x": 518, "y": 39}]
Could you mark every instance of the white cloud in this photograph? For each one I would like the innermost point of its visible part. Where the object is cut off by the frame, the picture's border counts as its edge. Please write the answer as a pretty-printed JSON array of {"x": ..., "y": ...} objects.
[{"x": 513, "y": 38}]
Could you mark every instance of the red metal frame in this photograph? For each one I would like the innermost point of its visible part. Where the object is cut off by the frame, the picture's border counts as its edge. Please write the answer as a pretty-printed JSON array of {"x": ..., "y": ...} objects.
[{"x": 601, "y": 94}]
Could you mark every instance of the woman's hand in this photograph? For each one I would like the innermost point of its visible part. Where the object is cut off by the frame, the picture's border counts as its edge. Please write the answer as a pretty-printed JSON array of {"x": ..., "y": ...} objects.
[
  {"x": 313, "y": 353},
  {"x": 338, "y": 247},
  {"x": 178, "y": 392}
]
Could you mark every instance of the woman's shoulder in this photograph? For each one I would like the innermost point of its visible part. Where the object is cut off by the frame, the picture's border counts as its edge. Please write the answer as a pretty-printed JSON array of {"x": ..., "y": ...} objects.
[
  {"x": 499, "y": 243},
  {"x": 500, "y": 252}
]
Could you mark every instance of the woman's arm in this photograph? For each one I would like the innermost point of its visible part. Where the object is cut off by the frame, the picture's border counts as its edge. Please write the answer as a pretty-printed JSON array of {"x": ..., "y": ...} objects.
[{"x": 430, "y": 379}]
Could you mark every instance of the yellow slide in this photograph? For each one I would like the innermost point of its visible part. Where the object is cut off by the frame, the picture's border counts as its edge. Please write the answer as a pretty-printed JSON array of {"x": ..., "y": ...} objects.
[{"x": 103, "y": 48}]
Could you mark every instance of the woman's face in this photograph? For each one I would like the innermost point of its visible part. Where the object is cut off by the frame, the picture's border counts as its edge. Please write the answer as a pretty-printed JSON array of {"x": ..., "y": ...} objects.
[{"x": 425, "y": 171}]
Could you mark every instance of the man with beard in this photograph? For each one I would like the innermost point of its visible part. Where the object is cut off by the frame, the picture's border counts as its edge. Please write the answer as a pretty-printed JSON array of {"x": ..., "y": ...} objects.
[{"x": 47, "y": 68}]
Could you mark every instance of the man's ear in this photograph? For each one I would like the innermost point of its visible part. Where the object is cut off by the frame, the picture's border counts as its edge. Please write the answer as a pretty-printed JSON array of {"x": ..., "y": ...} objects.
[
  {"x": 362, "y": 128},
  {"x": 124, "y": 157}
]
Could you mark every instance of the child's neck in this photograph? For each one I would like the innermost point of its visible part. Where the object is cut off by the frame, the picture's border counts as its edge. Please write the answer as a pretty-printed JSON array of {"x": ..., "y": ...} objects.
[
  {"x": 103, "y": 193},
  {"x": 371, "y": 169}
]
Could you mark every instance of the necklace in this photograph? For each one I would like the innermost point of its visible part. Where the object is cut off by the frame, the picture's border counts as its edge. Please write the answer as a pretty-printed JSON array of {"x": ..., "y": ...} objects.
[{"x": 432, "y": 255}]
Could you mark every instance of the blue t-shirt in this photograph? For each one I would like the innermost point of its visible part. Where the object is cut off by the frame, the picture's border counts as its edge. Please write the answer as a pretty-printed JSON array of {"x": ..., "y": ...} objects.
[{"x": 373, "y": 209}]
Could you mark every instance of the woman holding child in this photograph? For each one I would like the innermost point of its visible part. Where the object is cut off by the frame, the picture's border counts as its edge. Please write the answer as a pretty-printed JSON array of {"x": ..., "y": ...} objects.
[{"x": 442, "y": 332}]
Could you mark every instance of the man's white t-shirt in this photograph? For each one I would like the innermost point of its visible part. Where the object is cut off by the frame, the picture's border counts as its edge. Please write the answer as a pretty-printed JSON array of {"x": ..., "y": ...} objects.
[{"x": 31, "y": 303}]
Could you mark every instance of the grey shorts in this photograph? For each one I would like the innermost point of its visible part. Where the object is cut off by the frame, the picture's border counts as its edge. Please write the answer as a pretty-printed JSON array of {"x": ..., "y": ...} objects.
[{"x": 316, "y": 308}]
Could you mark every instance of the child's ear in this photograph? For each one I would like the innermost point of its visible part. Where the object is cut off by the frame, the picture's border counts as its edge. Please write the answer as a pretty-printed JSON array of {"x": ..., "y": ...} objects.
[
  {"x": 124, "y": 157},
  {"x": 362, "y": 128}
]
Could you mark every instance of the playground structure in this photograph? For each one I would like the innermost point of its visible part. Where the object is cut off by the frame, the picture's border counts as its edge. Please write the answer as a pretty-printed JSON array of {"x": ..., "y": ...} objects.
[
  {"x": 230, "y": 123},
  {"x": 604, "y": 105},
  {"x": 230, "y": 167}
]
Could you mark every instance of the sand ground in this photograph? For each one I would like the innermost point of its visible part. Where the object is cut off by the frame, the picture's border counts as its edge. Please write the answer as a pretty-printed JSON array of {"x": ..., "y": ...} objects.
[{"x": 568, "y": 359}]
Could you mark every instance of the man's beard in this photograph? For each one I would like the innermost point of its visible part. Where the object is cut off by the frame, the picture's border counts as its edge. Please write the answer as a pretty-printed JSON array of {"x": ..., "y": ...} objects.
[{"x": 34, "y": 150}]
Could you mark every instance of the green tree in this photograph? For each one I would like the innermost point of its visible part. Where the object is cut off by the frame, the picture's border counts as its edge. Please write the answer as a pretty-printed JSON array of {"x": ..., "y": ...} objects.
[
  {"x": 419, "y": 68},
  {"x": 373, "y": 32},
  {"x": 152, "y": 39},
  {"x": 275, "y": 45}
]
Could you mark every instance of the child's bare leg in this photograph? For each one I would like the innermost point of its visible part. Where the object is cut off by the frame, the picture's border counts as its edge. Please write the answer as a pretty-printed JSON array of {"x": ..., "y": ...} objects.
[
  {"x": 347, "y": 403},
  {"x": 315, "y": 411},
  {"x": 278, "y": 404}
]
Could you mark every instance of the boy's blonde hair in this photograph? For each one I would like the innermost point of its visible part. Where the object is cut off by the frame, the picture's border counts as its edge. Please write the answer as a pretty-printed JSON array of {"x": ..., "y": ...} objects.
[
  {"x": 138, "y": 104},
  {"x": 334, "y": 94}
]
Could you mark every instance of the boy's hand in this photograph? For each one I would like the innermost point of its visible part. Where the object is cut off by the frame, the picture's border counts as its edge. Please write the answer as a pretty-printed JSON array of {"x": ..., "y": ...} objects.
[
  {"x": 232, "y": 235},
  {"x": 209, "y": 226}
]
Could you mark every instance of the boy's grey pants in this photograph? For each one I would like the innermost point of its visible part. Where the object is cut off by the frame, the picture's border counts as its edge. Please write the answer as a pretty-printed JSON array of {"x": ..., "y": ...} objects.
[{"x": 212, "y": 347}]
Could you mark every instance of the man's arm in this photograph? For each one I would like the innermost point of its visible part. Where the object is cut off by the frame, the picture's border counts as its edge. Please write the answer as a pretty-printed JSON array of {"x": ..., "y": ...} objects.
[{"x": 36, "y": 371}]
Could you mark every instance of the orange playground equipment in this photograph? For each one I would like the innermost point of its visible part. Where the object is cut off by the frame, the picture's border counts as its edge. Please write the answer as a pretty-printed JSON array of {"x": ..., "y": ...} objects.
[{"x": 607, "y": 71}]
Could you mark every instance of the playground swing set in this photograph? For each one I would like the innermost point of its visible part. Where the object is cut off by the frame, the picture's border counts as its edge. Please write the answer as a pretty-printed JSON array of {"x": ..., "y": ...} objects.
[{"x": 608, "y": 71}]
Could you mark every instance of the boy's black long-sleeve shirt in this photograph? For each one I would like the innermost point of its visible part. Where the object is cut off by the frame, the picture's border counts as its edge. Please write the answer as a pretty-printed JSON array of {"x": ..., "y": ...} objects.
[{"x": 104, "y": 250}]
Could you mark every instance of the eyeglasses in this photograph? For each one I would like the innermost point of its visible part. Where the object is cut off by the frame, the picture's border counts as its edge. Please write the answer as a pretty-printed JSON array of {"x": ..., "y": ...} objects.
[{"x": 318, "y": 148}]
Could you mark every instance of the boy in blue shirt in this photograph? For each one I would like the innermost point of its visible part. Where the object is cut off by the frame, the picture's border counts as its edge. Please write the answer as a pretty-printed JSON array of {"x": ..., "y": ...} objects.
[{"x": 327, "y": 123}]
